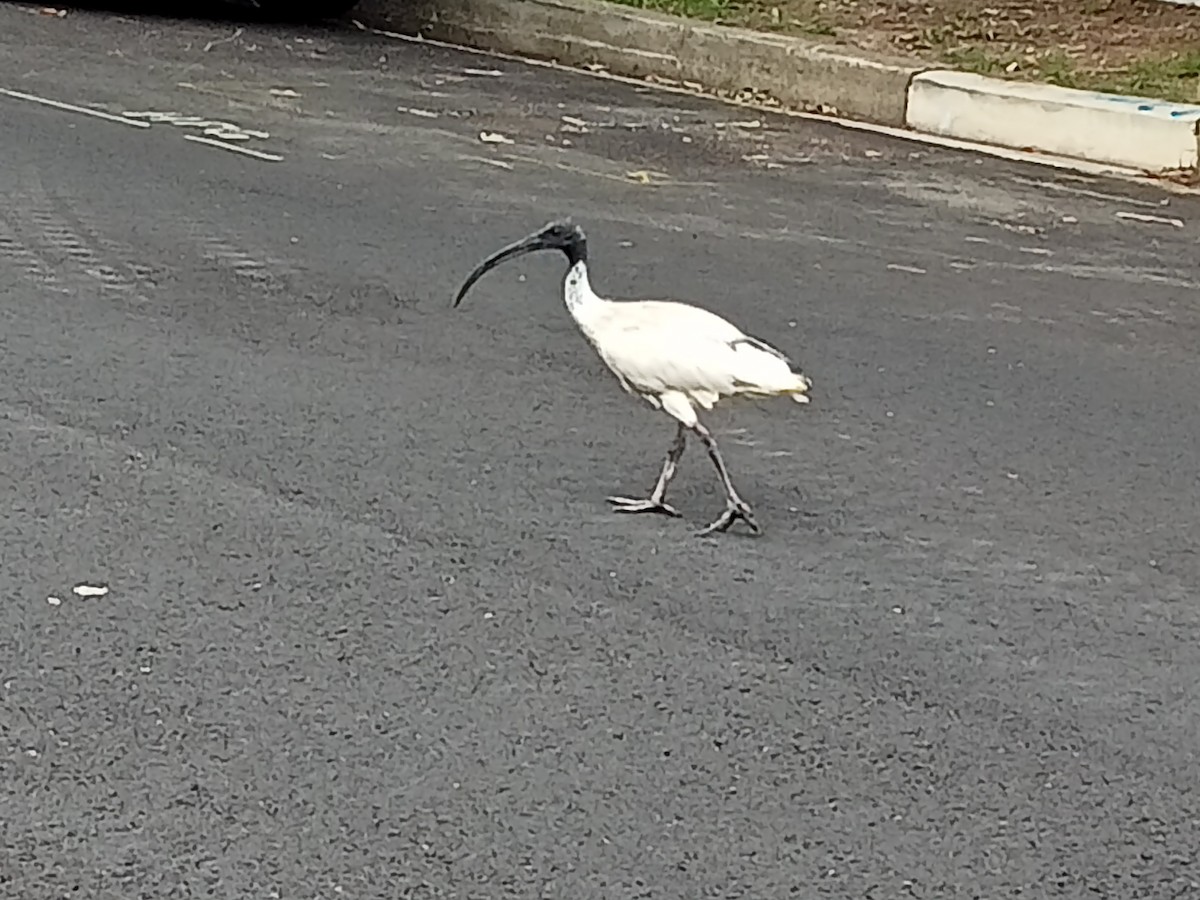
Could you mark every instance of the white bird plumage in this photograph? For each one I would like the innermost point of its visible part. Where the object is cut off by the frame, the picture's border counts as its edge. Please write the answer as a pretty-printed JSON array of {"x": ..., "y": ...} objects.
[
  {"x": 662, "y": 348},
  {"x": 674, "y": 355}
]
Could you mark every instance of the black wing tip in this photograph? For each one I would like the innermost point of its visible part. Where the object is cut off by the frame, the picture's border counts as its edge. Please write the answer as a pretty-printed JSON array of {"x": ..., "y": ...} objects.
[{"x": 760, "y": 344}]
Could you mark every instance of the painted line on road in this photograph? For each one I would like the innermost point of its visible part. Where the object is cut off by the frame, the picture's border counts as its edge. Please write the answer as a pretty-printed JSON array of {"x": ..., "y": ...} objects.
[
  {"x": 257, "y": 154},
  {"x": 237, "y": 134},
  {"x": 211, "y": 127},
  {"x": 70, "y": 107}
]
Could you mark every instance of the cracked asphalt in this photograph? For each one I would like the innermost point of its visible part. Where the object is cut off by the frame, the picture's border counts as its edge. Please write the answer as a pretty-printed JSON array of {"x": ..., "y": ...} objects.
[{"x": 371, "y": 630}]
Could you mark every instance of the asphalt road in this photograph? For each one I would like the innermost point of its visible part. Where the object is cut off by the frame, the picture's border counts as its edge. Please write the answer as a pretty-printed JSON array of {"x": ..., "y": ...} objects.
[{"x": 371, "y": 629}]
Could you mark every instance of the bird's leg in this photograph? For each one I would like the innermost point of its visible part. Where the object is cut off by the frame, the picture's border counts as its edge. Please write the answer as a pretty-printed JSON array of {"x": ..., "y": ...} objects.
[
  {"x": 654, "y": 503},
  {"x": 735, "y": 506}
]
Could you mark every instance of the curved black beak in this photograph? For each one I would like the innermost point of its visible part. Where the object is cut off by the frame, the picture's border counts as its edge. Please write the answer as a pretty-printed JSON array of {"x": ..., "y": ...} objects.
[{"x": 529, "y": 244}]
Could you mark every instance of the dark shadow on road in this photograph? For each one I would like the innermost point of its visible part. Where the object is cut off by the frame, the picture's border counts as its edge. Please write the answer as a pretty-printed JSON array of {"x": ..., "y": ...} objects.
[{"x": 246, "y": 11}]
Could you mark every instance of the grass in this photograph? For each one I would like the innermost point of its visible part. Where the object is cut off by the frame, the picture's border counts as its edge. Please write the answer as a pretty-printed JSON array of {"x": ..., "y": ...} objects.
[
  {"x": 708, "y": 10},
  {"x": 1142, "y": 47}
]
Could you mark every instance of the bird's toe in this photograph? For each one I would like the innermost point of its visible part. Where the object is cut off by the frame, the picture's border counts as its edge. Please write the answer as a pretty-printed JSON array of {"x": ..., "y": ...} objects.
[
  {"x": 634, "y": 505},
  {"x": 732, "y": 513}
]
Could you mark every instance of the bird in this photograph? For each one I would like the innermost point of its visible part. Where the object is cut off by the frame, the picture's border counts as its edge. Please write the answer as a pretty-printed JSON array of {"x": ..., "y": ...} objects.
[{"x": 674, "y": 355}]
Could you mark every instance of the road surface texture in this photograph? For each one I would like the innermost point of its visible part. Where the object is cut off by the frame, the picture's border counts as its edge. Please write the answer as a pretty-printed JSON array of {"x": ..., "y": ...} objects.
[{"x": 371, "y": 629}]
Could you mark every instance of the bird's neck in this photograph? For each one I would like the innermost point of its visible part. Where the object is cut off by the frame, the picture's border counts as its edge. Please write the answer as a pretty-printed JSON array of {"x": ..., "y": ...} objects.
[
  {"x": 576, "y": 250},
  {"x": 581, "y": 300}
]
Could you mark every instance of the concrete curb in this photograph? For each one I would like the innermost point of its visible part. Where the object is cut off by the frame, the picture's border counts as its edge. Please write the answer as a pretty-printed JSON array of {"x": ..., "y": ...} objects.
[
  {"x": 1132, "y": 132},
  {"x": 635, "y": 43}
]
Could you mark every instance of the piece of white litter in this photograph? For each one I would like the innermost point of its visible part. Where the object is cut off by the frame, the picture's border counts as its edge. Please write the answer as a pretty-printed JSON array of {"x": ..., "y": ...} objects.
[
  {"x": 491, "y": 137},
  {"x": 425, "y": 113},
  {"x": 88, "y": 590},
  {"x": 233, "y": 37},
  {"x": 494, "y": 73},
  {"x": 896, "y": 267},
  {"x": 225, "y": 134},
  {"x": 1143, "y": 217},
  {"x": 54, "y": 601}
]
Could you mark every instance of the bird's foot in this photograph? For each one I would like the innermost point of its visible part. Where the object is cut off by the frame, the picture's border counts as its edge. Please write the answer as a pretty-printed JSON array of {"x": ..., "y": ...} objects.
[
  {"x": 735, "y": 508},
  {"x": 630, "y": 505}
]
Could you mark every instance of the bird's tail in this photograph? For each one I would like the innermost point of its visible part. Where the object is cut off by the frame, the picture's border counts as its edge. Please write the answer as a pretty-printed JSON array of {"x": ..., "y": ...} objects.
[
  {"x": 801, "y": 396},
  {"x": 803, "y": 386},
  {"x": 761, "y": 370}
]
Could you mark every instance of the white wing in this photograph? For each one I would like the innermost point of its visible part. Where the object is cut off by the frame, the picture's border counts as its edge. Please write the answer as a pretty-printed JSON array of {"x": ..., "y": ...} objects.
[{"x": 658, "y": 347}]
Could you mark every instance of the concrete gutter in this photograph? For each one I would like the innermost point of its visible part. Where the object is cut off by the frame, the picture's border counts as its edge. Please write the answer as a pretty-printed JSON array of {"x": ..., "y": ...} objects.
[
  {"x": 1138, "y": 133},
  {"x": 635, "y": 43}
]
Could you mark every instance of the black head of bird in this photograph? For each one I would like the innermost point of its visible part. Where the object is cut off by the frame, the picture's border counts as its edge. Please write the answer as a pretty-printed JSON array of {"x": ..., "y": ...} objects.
[{"x": 562, "y": 235}]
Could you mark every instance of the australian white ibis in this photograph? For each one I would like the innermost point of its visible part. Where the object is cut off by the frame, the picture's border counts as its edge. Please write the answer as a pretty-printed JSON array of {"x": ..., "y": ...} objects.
[{"x": 674, "y": 355}]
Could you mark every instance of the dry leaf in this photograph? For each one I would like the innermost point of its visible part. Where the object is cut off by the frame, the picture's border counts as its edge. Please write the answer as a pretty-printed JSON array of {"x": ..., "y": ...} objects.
[{"x": 645, "y": 176}]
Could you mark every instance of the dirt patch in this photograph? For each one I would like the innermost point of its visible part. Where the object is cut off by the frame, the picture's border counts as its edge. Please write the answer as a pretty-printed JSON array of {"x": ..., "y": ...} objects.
[{"x": 1144, "y": 47}]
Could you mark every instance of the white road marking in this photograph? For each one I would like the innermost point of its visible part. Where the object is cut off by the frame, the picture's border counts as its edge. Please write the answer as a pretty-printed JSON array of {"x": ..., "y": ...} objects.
[
  {"x": 216, "y": 133},
  {"x": 498, "y": 163},
  {"x": 69, "y": 107},
  {"x": 226, "y": 130},
  {"x": 257, "y": 154},
  {"x": 211, "y": 127}
]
